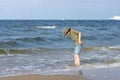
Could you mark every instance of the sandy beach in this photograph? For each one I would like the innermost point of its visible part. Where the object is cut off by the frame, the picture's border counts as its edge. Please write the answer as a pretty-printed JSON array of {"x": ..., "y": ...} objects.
[
  {"x": 90, "y": 74},
  {"x": 43, "y": 77}
]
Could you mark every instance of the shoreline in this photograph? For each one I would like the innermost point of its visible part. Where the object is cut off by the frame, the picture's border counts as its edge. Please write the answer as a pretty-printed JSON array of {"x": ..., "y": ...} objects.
[
  {"x": 43, "y": 77},
  {"x": 90, "y": 74}
]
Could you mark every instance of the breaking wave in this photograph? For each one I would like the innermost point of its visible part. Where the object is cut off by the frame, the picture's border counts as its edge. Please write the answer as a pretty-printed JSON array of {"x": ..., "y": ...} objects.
[
  {"x": 86, "y": 49},
  {"x": 46, "y": 27},
  {"x": 17, "y": 51},
  {"x": 101, "y": 48}
]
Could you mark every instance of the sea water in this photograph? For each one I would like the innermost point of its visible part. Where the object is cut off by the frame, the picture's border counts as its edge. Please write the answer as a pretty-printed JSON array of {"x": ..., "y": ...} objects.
[{"x": 38, "y": 47}]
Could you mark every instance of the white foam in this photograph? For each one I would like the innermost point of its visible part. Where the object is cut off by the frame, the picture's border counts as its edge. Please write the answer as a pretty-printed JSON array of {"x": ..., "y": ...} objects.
[
  {"x": 97, "y": 66},
  {"x": 46, "y": 27},
  {"x": 104, "y": 48}
]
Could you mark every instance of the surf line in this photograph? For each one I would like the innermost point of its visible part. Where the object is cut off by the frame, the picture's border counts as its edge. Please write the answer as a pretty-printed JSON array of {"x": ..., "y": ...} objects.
[{"x": 46, "y": 27}]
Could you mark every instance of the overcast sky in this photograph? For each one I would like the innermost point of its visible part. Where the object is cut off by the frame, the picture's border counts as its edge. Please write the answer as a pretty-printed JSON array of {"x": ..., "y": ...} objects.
[{"x": 59, "y": 9}]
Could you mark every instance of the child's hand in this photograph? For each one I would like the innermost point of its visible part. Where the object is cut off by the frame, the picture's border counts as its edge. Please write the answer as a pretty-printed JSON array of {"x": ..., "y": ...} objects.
[{"x": 79, "y": 42}]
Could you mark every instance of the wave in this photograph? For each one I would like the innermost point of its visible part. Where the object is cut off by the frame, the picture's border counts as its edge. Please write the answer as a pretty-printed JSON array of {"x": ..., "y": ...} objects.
[
  {"x": 20, "y": 41},
  {"x": 8, "y": 51},
  {"x": 29, "y": 42},
  {"x": 9, "y": 44},
  {"x": 46, "y": 27},
  {"x": 24, "y": 51},
  {"x": 101, "y": 48},
  {"x": 30, "y": 39},
  {"x": 97, "y": 66},
  {"x": 19, "y": 51}
]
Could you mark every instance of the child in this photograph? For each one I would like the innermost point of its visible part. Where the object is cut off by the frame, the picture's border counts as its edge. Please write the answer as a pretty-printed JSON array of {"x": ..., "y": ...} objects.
[{"x": 76, "y": 37}]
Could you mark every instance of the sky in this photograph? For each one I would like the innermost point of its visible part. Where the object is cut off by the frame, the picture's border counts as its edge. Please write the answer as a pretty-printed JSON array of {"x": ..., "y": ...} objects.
[{"x": 59, "y": 9}]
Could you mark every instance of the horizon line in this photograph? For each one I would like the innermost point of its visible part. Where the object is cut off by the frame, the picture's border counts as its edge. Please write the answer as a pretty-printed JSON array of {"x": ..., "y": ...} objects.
[{"x": 57, "y": 19}]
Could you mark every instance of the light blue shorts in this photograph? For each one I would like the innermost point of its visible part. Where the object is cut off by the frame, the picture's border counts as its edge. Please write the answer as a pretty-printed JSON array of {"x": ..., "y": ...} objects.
[{"x": 77, "y": 49}]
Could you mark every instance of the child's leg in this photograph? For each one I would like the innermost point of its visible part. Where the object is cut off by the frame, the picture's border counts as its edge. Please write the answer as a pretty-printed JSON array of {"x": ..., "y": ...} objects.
[
  {"x": 76, "y": 55},
  {"x": 76, "y": 59}
]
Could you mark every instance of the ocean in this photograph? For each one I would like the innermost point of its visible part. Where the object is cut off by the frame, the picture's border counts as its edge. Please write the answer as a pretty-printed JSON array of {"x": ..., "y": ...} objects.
[{"x": 38, "y": 47}]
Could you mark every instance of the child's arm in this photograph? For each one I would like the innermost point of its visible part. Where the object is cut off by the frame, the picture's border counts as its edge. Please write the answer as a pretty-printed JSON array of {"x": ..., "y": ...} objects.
[{"x": 79, "y": 38}]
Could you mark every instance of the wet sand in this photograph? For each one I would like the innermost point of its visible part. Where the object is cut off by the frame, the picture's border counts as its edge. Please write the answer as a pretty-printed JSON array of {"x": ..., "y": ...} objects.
[
  {"x": 89, "y": 74},
  {"x": 43, "y": 77}
]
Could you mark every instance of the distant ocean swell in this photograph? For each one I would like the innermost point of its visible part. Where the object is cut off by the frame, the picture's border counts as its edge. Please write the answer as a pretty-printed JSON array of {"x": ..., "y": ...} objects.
[
  {"x": 47, "y": 39},
  {"x": 24, "y": 42}
]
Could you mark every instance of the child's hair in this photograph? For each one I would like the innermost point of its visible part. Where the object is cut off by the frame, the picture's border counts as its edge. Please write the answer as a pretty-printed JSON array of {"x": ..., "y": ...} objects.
[{"x": 68, "y": 30}]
